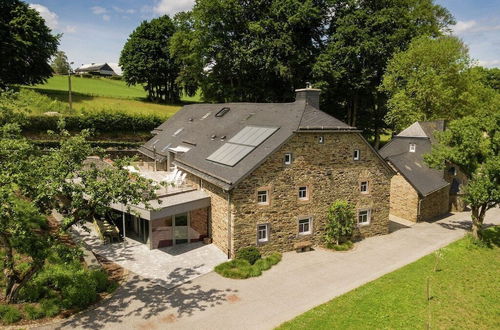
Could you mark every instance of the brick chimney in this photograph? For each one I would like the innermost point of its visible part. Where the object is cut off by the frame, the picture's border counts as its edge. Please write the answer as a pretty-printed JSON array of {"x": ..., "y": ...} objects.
[{"x": 309, "y": 95}]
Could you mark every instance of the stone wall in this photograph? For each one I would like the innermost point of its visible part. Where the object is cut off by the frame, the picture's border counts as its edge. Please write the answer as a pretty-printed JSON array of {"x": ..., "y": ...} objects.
[
  {"x": 404, "y": 199},
  {"x": 456, "y": 201},
  {"x": 218, "y": 214},
  {"x": 329, "y": 171},
  {"x": 435, "y": 204},
  {"x": 199, "y": 224}
]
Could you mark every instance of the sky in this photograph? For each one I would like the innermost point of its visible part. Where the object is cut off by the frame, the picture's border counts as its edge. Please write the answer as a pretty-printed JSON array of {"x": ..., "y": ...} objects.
[{"x": 94, "y": 31}]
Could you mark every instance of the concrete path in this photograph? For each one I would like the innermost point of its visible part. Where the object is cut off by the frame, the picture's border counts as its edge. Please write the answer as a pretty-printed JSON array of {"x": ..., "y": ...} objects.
[
  {"x": 167, "y": 267},
  {"x": 297, "y": 284}
]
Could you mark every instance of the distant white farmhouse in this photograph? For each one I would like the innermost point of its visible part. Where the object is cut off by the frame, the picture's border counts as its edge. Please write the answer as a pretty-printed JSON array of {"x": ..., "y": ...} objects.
[{"x": 98, "y": 69}]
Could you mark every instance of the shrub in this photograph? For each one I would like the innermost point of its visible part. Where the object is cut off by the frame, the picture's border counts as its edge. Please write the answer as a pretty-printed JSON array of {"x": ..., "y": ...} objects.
[
  {"x": 250, "y": 254},
  {"x": 100, "y": 278},
  {"x": 33, "y": 312},
  {"x": 341, "y": 223},
  {"x": 236, "y": 268},
  {"x": 263, "y": 264},
  {"x": 81, "y": 292},
  {"x": 274, "y": 258},
  {"x": 50, "y": 307},
  {"x": 341, "y": 247},
  {"x": 9, "y": 314},
  {"x": 241, "y": 268}
]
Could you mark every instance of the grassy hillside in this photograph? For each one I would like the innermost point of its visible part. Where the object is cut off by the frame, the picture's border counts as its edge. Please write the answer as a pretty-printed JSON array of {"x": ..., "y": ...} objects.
[
  {"x": 464, "y": 284},
  {"x": 96, "y": 94}
]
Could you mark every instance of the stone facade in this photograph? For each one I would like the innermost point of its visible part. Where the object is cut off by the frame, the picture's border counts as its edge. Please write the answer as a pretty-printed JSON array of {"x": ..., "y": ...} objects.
[
  {"x": 330, "y": 173},
  {"x": 404, "y": 199},
  {"x": 435, "y": 204},
  {"x": 198, "y": 224},
  {"x": 406, "y": 203},
  {"x": 458, "y": 180},
  {"x": 219, "y": 213}
]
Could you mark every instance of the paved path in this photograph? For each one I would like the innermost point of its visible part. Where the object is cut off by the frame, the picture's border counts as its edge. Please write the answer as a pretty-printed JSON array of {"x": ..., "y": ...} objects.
[
  {"x": 297, "y": 284},
  {"x": 167, "y": 267}
]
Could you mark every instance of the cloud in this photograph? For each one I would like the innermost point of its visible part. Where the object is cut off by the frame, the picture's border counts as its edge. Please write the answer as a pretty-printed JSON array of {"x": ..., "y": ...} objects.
[
  {"x": 98, "y": 10},
  {"x": 106, "y": 18},
  {"x": 51, "y": 18},
  {"x": 463, "y": 26},
  {"x": 489, "y": 63},
  {"x": 466, "y": 27},
  {"x": 69, "y": 29},
  {"x": 171, "y": 7},
  {"x": 123, "y": 11}
]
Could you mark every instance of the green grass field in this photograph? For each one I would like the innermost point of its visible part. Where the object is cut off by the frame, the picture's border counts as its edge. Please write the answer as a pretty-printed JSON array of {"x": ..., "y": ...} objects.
[
  {"x": 464, "y": 294},
  {"x": 96, "y": 94}
]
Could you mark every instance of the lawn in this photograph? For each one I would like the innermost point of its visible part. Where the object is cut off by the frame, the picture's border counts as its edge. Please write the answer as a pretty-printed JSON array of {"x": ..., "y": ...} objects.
[
  {"x": 464, "y": 294},
  {"x": 96, "y": 94}
]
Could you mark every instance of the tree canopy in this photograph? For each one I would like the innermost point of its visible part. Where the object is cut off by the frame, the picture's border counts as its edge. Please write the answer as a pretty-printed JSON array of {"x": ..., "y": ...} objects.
[
  {"x": 33, "y": 183},
  {"x": 434, "y": 79},
  {"x": 362, "y": 36},
  {"x": 257, "y": 51},
  {"x": 473, "y": 144},
  {"x": 146, "y": 59},
  {"x": 26, "y": 45},
  {"x": 60, "y": 64}
]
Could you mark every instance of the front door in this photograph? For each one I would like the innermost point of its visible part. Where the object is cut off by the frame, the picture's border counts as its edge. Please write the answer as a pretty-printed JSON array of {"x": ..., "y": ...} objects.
[{"x": 181, "y": 228}]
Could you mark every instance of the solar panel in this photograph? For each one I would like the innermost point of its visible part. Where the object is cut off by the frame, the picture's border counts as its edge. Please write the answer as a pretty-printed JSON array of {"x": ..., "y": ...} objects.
[
  {"x": 230, "y": 154},
  {"x": 253, "y": 135},
  {"x": 241, "y": 145}
]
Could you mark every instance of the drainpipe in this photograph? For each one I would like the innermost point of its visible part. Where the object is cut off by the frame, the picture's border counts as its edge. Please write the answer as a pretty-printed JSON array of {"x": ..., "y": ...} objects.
[
  {"x": 228, "y": 224},
  {"x": 154, "y": 155},
  {"x": 418, "y": 209}
]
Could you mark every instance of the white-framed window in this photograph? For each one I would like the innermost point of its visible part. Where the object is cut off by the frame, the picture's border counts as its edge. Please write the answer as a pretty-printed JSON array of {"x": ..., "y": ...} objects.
[
  {"x": 262, "y": 233},
  {"x": 321, "y": 139},
  {"x": 356, "y": 155},
  {"x": 363, "y": 187},
  {"x": 413, "y": 147},
  {"x": 287, "y": 159},
  {"x": 305, "y": 226},
  {"x": 263, "y": 197},
  {"x": 364, "y": 217},
  {"x": 303, "y": 193},
  {"x": 452, "y": 171}
]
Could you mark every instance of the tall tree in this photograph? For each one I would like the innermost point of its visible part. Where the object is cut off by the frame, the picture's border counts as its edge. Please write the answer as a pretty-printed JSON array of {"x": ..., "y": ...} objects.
[
  {"x": 434, "y": 79},
  {"x": 60, "y": 63},
  {"x": 473, "y": 143},
  {"x": 257, "y": 50},
  {"x": 26, "y": 45},
  {"x": 146, "y": 59},
  {"x": 33, "y": 183},
  {"x": 362, "y": 36}
]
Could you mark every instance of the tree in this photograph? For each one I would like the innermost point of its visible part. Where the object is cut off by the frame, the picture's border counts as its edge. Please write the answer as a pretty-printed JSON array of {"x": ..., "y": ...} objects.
[
  {"x": 33, "y": 183},
  {"x": 473, "y": 143},
  {"x": 60, "y": 64},
  {"x": 26, "y": 45},
  {"x": 362, "y": 36},
  {"x": 257, "y": 51},
  {"x": 434, "y": 79},
  {"x": 146, "y": 59},
  {"x": 341, "y": 223}
]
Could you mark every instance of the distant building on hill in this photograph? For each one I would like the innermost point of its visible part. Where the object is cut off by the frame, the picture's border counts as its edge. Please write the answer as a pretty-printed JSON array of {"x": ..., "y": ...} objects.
[{"x": 97, "y": 69}]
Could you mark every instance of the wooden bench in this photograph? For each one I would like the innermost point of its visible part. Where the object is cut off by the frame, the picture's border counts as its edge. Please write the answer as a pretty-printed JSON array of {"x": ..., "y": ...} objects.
[{"x": 302, "y": 246}]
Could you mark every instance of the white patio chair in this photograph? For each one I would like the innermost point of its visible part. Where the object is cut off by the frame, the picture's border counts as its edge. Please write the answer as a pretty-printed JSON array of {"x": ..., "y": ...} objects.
[{"x": 181, "y": 179}]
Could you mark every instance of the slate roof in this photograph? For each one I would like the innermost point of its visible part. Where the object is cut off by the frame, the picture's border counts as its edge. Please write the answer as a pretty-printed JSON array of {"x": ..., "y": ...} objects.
[
  {"x": 411, "y": 164},
  {"x": 196, "y": 127}
]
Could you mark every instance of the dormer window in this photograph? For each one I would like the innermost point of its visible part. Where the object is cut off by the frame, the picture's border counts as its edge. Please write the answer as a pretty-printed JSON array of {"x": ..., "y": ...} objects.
[
  {"x": 222, "y": 112},
  {"x": 413, "y": 147}
]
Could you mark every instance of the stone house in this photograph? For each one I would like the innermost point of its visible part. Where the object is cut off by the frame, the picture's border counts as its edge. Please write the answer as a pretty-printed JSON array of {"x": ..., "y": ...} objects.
[
  {"x": 263, "y": 174},
  {"x": 419, "y": 193}
]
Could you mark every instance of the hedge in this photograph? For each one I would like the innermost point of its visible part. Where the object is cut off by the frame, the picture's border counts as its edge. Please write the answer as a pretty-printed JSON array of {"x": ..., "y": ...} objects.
[
  {"x": 99, "y": 121},
  {"x": 48, "y": 144}
]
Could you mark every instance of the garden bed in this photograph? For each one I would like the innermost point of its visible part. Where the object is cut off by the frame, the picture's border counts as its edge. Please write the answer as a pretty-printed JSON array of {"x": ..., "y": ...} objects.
[{"x": 248, "y": 263}]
